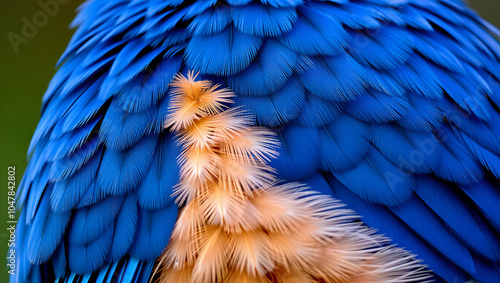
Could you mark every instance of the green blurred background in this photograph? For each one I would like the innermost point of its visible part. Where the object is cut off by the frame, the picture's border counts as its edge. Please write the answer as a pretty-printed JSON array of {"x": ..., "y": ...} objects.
[{"x": 24, "y": 76}]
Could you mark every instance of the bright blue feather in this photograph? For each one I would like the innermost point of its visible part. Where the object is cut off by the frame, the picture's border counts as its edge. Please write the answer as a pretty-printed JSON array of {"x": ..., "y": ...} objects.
[
  {"x": 120, "y": 129},
  {"x": 224, "y": 53},
  {"x": 263, "y": 20},
  {"x": 383, "y": 48},
  {"x": 47, "y": 231},
  {"x": 316, "y": 33},
  {"x": 337, "y": 78}
]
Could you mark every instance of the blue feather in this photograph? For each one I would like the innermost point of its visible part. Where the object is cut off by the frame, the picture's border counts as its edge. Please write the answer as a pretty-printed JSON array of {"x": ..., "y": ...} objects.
[
  {"x": 281, "y": 3},
  {"x": 71, "y": 141},
  {"x": 353, "y": 15},
  {"x": 67, "y": 166},
  {"x": 417, "y": 76},
  {"x": 298, "y": 154},
  {"x": 125, "y": 226},
  {"x": 155, "y": 191},
  {"x": 263, "y": 20},
  {"x": 147, "y": 88},
  {"x": 276, "y": 108},
  {"x": 68, "y": 192},
  {"x": 488, "y": 159},
  {"x": 153, "y": 232},
  {"x": 376, "y": 180},
  {"x": 47, "y": 230},
  {"x": 38, "y": 187},
  {"x": 224, "y": 53},
  {"x": 210, "y": 22},
  {"x": 486, "y": 196},
  {"x": 338, "y": 78},
  {"x": 89, "y": 223},
  {"x": 382, "y": 48},
  {"x": 122, "y": 171},
  {"x": 459, "y": 216},
  {"x": 378, "y": 107},
  {"x": 316, "y": 33},
  {"x": 423, "y": 114},
  {"x": 405, "y": 149},
  {"x": 316, "y": 112},
  {"x": 126, "y": 55},
  {"x": 120, "y": 129},
  {"x": 59, "y": 261},
  {"x": 423, "y": 221},
  {"x": 89, "y": 257},
  {"x": 387, "y": 223},
  {"x": 434, "y": 51},
  {"x": 344, "y": 144},
  {"x": 270, "y": 70},
  {"x": 84, "y": 107},
  {"x": 457, "y": 164}
]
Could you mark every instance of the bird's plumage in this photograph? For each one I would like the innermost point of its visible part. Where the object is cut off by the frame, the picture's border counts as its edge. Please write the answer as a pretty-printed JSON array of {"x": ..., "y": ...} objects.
[{"x": 392, "y": 106}]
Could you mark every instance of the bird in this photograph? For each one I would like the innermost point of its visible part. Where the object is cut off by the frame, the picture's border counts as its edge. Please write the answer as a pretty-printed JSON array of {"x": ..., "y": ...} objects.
[{"x": 385, "y": 113}]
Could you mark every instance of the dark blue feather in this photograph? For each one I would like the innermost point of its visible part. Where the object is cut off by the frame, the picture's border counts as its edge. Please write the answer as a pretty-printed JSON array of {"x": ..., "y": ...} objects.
[
  {"x": 59, "y": 261},
  {"x": 122, "y": 171},
  {"x": 298, "y": 154},
  {"x": 423, "y": 114},
  {"x": 153, "y": 232},
  {"x": 155, "y": 191},
  {"x": 276, "y": 108},
  {"x": 125, "y": 229},
  {"x": 486, "y": 196},
  {"x": 405, "y": 149},
  {"x": 344, "y": 143},
  {"x": 316, "y": 112},
  {"x": 425, "y": 223},
  {"x": 89, "y": 223},
  {"x": 67, "y": 166},
  {"x": 210, "y": 22},
  {"x": 120, "y": 129},
  {"x": 68, "y": 192},
  {"x": 270, "y": 70},
  {"x": 89, "y": 257},
  {"x": 148, "y": 87},
  {"x": 457, "y": 164},
  {"x": 387, "y": 223},
  {"x": 338, "y": 78},
  {"x": 376, "y": 180},
  {"x": 459, "y": 217},
  {"x": 378, "y": 107}
]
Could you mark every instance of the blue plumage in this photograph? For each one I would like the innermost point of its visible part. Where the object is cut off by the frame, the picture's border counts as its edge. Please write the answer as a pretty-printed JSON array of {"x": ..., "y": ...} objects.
[{"x": 392, "y": 106}]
